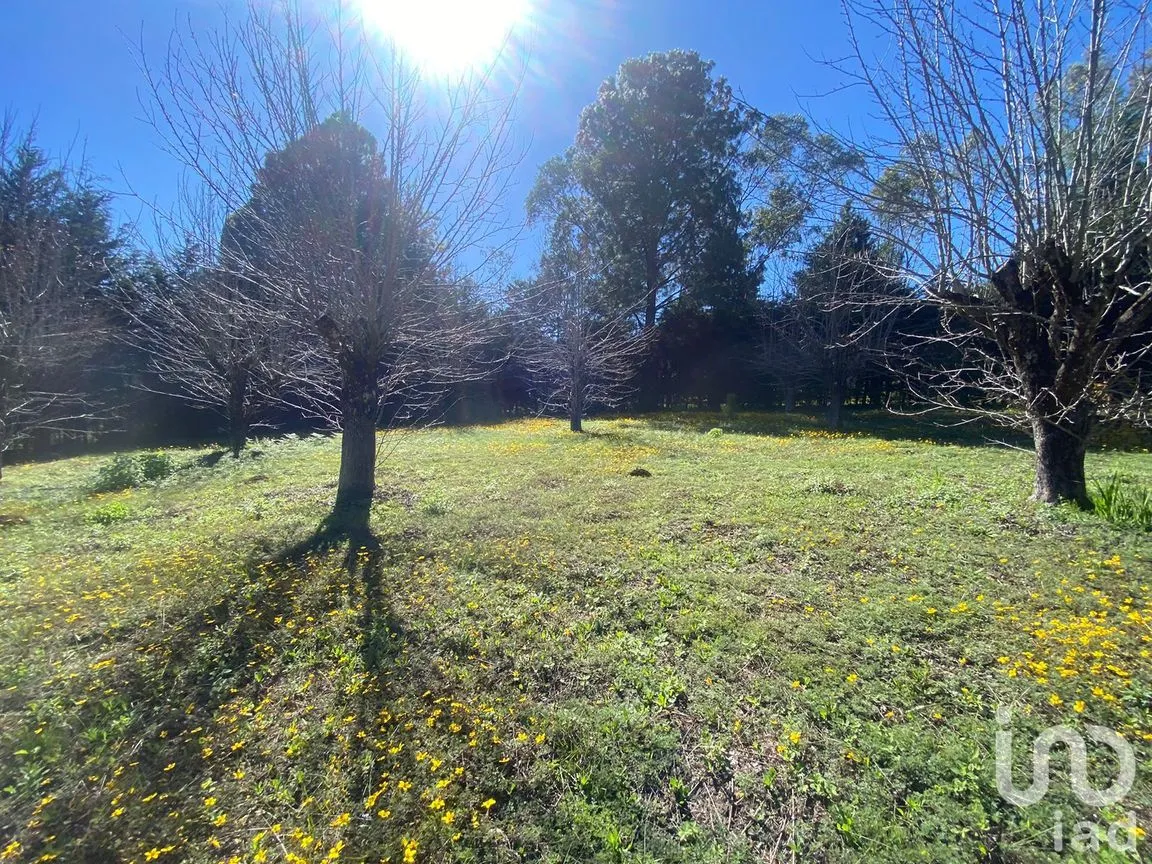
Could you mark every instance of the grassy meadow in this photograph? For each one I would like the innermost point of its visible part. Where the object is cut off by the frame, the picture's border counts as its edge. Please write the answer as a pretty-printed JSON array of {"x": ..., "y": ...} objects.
[{"x": 782, "y": 645}]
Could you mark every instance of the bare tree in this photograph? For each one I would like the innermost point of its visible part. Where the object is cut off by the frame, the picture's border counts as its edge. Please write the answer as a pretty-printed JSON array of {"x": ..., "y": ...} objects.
[
  {"x": 55, "y": 249},
  {"x": 1017, "y": 174},
  {"x": 217, "y": 341},
  {"x": 834, "y": 326},
  {"x": 784, "y": 359},
  {"x": 581, "y": 351},
  {"x": 363, "y": 235}
]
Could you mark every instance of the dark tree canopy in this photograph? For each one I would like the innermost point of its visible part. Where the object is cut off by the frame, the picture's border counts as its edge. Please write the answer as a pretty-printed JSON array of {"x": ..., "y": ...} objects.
[
  {"x": 652, "y": 179},
  {"x": 57, "y": 260},
  {"x": 847, "y": 299}
]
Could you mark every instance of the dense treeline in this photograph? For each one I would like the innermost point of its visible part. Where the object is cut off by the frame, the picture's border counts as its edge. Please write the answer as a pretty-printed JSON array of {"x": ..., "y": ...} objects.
[
  {"x": 163, "y": 350},
  {"x": 697, "y": 252}
]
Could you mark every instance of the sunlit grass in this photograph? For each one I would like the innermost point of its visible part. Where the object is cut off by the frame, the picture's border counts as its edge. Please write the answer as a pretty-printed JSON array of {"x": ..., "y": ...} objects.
[{"x": 782, "y": 639}]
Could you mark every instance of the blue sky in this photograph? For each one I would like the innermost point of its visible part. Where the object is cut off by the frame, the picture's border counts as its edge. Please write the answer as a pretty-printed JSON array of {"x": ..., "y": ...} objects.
[{"x": 69, "y": 65}]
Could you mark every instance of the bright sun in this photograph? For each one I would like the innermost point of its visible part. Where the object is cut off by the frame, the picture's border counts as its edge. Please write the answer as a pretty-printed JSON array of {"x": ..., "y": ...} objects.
[{"x": 446, "y": 36}]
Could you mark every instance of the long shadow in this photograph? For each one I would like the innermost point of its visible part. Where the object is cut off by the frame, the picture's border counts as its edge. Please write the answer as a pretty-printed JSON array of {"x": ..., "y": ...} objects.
[
  {"x": 873, "y": 423},
  {"x": 217, "y": 649},
  {"x": 181, "y": 690},
  {"x": 348, "y": 524},
  {"x": 209, "y": 460}
]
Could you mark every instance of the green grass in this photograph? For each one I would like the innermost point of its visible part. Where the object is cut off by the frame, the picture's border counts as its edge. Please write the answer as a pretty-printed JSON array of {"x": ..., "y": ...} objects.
[
  {"x": 782, "y": 645},
  {"x": 1119, "y": 500}
]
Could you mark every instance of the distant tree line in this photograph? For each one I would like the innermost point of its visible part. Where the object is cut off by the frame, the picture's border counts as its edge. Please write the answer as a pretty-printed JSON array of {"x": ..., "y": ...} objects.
[{"x": 339, "y": 267}]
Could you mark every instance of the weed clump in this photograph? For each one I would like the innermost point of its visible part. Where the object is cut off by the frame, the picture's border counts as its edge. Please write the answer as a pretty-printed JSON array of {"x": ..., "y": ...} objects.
[
  {"x": 156, "y": 466},
  {"x": 125, "y": 471},
  {"x": 109, "y": 514},
  {"x": 1122, "y": 502}
]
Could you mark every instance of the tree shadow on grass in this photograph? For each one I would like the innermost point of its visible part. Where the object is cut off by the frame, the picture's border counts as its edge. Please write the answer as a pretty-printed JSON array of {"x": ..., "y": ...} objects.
[
  {"x": 945, "y": 429},
  {"x": 225, "y": 647},
  {"x": 349, "y": 524},
  {"x": 209, "y": 460}
]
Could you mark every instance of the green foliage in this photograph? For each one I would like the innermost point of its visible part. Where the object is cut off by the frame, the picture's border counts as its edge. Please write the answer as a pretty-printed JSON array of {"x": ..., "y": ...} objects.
[
  {"x": 110, "y": 513},
  {"x": 123, "y": 471},
  {"x": 126, "y": 470},
  {"x": 434, "y": 506},
  {"x": 156, "y": 466},
  {"x": 1121, "y": 500},
  {"x": 737, "y": 655},
  {"x": 797, "y": 167},
  {"x": 57, "y": 252},
  {"x": 650, "y": 181}
]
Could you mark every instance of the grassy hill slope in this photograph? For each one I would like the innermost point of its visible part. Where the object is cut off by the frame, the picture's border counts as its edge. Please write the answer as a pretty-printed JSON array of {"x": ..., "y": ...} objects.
[{"x": 783, "y": 644}]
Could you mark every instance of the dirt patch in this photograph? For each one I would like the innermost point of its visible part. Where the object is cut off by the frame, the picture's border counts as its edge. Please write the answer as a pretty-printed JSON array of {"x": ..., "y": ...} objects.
[
  {"x": 685, "y": 530},
  {"x": 832, "y": 487},
  {"x": 7, "y": 519},
  {"x": 603, "y": 516},
  {"x": 403, "y": 497}
]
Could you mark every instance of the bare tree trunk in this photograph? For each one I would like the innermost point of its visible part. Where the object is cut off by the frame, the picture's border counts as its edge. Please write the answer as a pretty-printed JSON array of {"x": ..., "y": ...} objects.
[
  {"x": 576, "y": 406},
  {"x": 1051, "y": 183},
  {"x": 1060, "y": 449},
  {"x": 833, "y": 413},
  {"x": 237, "y": 413},
  {"x": 789, "y": 399},
  {"x": 359, "y": 410}
]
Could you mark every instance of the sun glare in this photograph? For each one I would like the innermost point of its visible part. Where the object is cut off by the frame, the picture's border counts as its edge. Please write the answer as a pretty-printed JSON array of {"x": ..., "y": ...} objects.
[{"x": 446, "y": 36}]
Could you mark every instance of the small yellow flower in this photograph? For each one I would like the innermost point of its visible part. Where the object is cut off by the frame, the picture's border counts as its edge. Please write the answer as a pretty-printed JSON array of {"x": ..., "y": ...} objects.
[{"x": 341, "y": 820}]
